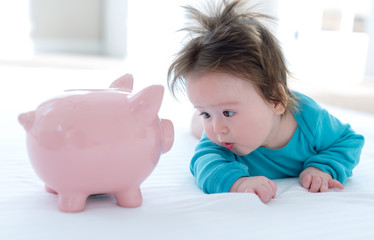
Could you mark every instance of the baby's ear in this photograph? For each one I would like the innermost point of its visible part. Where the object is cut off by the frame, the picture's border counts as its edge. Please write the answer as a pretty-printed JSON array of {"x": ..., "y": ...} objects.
[{"x": 279, "y": 107}]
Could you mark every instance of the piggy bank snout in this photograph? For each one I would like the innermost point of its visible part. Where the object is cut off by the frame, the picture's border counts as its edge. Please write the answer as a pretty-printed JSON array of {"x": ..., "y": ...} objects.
[
  {"x": 167, "y": 135},
  {"x": 27, "y": 119}
]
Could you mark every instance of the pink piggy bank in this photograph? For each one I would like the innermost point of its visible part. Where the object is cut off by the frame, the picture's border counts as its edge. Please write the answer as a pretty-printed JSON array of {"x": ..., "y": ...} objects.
[{"x": 97, "y": 141}]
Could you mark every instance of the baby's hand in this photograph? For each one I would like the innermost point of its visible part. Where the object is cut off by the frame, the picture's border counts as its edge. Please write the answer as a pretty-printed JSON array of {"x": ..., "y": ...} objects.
[
  {"x": 316, "y": 180},
  {"x": 262, "y": 186}
]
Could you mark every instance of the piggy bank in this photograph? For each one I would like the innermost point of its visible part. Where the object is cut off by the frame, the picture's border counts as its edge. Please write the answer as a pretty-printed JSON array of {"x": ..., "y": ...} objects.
[{"x": 87, "y": 142}]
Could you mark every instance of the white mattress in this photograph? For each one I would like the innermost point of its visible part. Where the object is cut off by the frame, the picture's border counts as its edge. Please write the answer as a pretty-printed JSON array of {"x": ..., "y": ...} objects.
[{"x": 174, "y": 207}]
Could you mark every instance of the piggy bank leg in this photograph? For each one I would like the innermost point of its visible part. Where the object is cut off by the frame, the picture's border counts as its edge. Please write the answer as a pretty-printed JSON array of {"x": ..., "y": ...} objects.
[
  {"x": 71, "y": 202},
  {"x": 50, "y": 190},
  {"x": 130, "y": 198}
]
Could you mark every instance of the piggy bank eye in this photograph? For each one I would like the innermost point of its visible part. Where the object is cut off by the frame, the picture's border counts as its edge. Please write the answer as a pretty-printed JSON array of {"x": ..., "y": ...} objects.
[{"x": 205, "y": 115}]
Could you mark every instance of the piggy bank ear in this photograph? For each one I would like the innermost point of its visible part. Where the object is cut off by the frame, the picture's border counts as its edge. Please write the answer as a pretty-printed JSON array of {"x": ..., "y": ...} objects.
[
  {"x": 146, "y": 104},
  {"x": 124, "y": 83}
]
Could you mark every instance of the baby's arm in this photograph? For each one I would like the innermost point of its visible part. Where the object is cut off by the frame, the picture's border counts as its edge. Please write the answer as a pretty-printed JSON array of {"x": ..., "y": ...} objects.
[
  {"x": 337, "y": 150},
  {"x": 215, "y": 168},
  {"x": 262, "y": 186},
  {"x": 316, "y": 180}
]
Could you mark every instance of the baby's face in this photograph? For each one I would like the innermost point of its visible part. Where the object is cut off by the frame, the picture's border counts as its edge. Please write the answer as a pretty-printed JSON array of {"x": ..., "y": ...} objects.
[{"x": 234, "y": 114}]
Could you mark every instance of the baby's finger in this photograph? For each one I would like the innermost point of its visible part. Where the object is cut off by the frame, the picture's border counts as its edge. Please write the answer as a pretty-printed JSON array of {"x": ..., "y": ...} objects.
[
  {"x": 265, "y": 193},
  {"x": 274, "y": 187},
  {"x": 316, "y": 184},
  {"x": 306, "y": 181},
  {"x": 335, "y": 183},
  {"x": 324, "y": 185}
]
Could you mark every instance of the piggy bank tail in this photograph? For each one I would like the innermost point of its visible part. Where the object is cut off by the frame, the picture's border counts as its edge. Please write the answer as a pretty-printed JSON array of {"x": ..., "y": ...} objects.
[
  {"x": 27, "y": 119},
  {"x": 167, "y": 129}
]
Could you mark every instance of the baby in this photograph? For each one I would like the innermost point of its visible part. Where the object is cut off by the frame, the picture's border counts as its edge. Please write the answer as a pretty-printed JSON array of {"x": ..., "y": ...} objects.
[{"x": 255, "y": 128}]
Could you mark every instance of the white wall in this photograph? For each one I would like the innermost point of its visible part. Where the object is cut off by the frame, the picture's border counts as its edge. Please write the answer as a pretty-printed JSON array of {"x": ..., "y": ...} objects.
[
  {"x": 153, "y": 37},
  {"x": 324, "y": 56},
  {"x": 79, "y": 26},
  {"x": 66, "y": 25},
  {"x": 14, "y": 29},
  {"x": 369, "y": 71},
  {"x": 114, "y": 22}
]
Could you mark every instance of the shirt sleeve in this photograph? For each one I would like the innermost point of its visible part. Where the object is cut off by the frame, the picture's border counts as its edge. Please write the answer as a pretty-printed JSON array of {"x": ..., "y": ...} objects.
[
  {"x": 338, "y": 147},
  {"x": 215, "y": 168}
]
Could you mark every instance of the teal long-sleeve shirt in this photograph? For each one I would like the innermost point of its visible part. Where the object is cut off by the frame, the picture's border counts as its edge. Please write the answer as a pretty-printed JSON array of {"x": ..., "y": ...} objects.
[{"x": 320, "y": 141}]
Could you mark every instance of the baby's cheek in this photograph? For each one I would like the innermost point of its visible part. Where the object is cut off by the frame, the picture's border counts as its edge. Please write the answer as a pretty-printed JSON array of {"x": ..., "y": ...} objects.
[
  {"x": 210, "y": 134},
  {"x": 254, "y": 134}
]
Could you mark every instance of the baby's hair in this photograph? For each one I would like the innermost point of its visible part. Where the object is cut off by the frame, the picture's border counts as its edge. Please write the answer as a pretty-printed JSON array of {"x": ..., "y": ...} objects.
[{"x": 231, "y": 39}]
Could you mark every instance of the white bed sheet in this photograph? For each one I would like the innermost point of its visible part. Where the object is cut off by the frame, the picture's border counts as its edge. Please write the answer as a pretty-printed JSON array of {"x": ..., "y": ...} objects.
[{"x": 174, "y": 207}]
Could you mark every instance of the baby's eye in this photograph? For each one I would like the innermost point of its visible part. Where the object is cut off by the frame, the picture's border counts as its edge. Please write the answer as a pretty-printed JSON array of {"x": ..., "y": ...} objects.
[
  {"x": 205, "y": 115},
  {"x": 228, "y": 113}
]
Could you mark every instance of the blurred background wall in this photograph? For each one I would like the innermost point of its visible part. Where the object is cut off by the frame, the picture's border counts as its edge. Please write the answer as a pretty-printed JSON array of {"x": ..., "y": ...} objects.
[
  {"x": 335, "y": 31},
  {"x": 79, "y": 26},
  {"x": 329, "y": 44}
]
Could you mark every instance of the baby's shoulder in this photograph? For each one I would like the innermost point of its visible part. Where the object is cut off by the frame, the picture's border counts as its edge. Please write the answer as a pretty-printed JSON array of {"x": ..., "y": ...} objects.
[
  {"x": 308, "y": 107},
  {"x": 305, "y": 102},
  {"x": 309, "y": 113}
]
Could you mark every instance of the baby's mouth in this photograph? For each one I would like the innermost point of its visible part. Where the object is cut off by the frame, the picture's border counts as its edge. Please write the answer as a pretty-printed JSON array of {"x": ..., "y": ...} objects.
[{"x": 229, "y": 146}]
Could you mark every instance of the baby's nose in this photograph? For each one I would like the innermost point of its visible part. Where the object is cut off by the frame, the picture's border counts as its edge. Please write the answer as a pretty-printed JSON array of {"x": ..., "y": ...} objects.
[{"x": 220, "y": 127}]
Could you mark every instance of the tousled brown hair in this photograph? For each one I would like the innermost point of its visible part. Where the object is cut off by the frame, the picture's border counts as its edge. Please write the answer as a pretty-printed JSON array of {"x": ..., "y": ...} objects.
[{"x": 231, "y": 39}]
